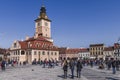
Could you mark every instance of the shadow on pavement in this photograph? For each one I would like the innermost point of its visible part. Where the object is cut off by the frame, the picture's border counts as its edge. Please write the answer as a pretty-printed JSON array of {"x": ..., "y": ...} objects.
[
  {"x": 110, "y": 78},
  {"x": 61, "y": 76}
]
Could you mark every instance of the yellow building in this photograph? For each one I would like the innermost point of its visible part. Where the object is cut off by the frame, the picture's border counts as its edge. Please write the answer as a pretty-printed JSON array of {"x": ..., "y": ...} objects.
[{"x": 96, "y": 50}]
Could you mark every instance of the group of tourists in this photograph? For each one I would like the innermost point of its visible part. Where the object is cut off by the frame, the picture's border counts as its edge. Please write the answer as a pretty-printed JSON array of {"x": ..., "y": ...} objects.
[
  {"x": 111, "y": 63},
  {"x": 114, "y": 64},
  {"x": 51, "y": 63},
  {"x": 77, "y": 65},
  {"x": 4, "y": 64},
  {"x": 72, "y": 64}
]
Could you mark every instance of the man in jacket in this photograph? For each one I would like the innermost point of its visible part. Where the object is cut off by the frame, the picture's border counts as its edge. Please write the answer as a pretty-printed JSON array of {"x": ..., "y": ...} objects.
[{"x": 79, "y": 68}]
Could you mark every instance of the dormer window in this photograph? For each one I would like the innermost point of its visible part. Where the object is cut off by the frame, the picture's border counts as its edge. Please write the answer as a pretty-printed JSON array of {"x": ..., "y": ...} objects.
[
  {"x": 29, "y": 45},
  {"x": 37, "y": 44}
]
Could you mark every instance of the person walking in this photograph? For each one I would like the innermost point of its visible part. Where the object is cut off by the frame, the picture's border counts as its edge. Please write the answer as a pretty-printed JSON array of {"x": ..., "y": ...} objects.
[
  {"x": 65, "y": 68},
  {"x": 117, "y": 64},
  {"x": 91, "y": 63},
  {"x": 72, "y": 65},
  {"x": 109, "y": 64},
  {"x": 3, "y": 65},
  {"x": 113, "y": 66},
  {"x": 79, "y": 68}
]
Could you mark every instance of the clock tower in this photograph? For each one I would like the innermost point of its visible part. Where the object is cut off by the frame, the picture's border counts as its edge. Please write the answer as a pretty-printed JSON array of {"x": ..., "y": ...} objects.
[{"x": 43, "y": 25}]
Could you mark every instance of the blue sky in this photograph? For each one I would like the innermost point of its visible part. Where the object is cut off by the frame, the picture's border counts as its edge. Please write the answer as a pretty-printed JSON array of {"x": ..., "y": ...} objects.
[{"x": 75, "y": 23}]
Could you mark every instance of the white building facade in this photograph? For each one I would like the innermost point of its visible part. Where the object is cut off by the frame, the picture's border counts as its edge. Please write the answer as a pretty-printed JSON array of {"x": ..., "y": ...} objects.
[
  {"x": 108, "y": 52},
  {"x": 117, "y": 50},
  {"x": 84, "y": 53}
]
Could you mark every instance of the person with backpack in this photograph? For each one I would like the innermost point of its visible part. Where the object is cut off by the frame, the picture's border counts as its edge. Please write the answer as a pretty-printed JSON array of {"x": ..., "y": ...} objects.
[{"x": 65, "y": 68}]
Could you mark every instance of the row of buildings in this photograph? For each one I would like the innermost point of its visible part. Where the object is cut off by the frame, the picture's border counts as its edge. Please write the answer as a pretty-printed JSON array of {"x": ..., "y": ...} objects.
[
  {"x": 94, "y": 51},
  {"x": 21, "y": 52},
  {"x": 41, "y": 46}
]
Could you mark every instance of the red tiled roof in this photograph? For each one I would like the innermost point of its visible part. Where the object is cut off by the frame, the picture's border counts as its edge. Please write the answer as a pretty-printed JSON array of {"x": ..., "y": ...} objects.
[
  {"x": 2, "y": 51},
  {"x": 37, "y": 43},
  {"x": 109, "y": 48},
  {"x": 40, "y": 38},
  {"x": 23, "y": 44},
  {"x": 84, "y": 50},
  {"x": 62, "y": 50},
  {"x": 76, "y": 50}
]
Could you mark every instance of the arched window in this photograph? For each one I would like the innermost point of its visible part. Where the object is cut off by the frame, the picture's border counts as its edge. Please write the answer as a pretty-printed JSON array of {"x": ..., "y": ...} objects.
[
  {"x": 43, "y": 53},
  {"x": 48, "y": 52},
  {"x": 55, "y": 53},
  {"x": 22, "y": 52},
  {"x": 35, "y": 52},
  {"x": 51, "y": 53},
  {"x": 39, "y": 52}
]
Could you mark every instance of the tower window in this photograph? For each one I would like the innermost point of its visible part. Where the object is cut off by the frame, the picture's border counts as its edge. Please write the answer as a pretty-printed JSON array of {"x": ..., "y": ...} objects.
[
  {"x": 38, "y": 24},
  {"x": 46, "y": 24}
]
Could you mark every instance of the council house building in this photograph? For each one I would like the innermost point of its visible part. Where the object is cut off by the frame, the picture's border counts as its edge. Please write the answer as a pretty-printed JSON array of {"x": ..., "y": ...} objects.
[{"x": 38, "y": 47}]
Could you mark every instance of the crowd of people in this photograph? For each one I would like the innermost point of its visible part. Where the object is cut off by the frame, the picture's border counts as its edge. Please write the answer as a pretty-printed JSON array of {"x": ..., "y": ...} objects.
[
  {"x": 74, "y": 65},
  {"x": 51, "y": 63},
  {"x": 78, "y": 64},
  {"x": 4, "y": 64},
  {"x": 14, "y": 63},
  {"x": 111, "y": 63}
]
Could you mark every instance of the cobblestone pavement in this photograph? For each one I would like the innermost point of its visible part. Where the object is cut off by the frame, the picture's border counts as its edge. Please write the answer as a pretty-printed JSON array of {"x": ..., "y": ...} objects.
[
  {"x": 97, "y": 74},
  {"x": 36, "y": 72}
]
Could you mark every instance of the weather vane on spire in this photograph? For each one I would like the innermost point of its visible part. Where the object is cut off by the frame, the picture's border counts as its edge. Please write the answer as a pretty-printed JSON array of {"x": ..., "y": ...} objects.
[{"x": 42, "y": 3}]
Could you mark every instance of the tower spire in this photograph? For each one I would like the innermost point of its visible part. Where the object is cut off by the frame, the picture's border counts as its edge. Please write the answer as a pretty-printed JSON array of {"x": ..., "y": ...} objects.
[
  {"x": 43, "y": 3},
  {"x": 43, "y": 13}
]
